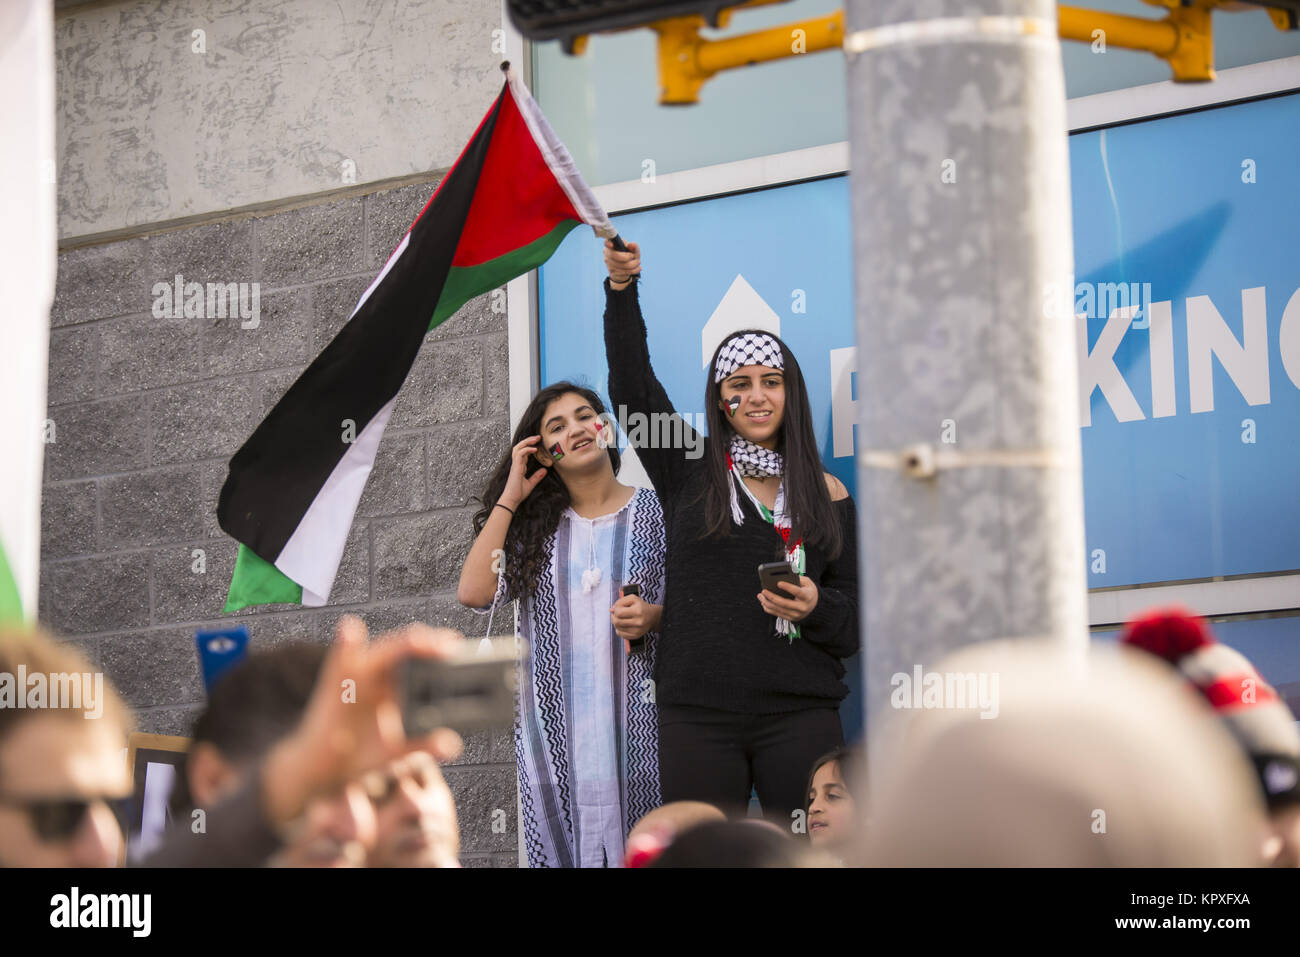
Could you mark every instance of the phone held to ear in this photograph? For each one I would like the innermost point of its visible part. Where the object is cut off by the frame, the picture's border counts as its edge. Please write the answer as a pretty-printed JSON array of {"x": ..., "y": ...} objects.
[
  {"x": 635, "y": 644},
  {"x": 772, "y": 573},
  {"x": 470, "y": 692}
]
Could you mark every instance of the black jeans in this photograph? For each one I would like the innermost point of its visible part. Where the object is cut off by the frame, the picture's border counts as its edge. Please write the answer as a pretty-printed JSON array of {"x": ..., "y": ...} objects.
[{"x": 718, "y": 756}]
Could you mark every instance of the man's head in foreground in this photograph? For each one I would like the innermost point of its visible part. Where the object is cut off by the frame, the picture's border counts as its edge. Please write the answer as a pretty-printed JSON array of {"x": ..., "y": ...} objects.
[
  {"x": 62, "y": 760},
  {"x": 255, "y": 705},
  {"x": 400, "y": 816},
  {"x": 1104, "y": 760}
]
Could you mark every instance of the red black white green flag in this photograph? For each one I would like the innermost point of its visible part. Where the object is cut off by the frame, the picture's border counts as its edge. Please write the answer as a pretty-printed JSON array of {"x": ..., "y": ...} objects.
[{"x": 503, "y": 208}]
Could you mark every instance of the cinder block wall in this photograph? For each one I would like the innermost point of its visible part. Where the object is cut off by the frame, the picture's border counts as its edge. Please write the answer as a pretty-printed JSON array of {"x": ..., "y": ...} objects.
[{"x": 148, "y": 411}]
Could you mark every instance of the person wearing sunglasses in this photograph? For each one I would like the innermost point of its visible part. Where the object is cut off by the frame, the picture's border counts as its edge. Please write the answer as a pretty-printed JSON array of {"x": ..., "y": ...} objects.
[{"x": 61, "y": 768}]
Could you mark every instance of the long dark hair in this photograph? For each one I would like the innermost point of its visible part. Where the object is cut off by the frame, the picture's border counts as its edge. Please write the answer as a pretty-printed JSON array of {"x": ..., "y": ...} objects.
[
  {"x": 812, "y": 516},
  {"x": 538, "y": 515}
]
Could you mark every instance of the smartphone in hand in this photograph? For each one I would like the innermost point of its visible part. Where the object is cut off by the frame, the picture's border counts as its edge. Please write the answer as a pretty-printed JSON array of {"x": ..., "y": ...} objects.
[
  {"x": 634, "y": 644},
  {"x": 772, "y": 573}
]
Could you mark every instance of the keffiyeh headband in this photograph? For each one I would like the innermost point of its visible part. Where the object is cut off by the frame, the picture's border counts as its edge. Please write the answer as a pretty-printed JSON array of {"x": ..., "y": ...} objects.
[{"x": 751, "y": 349}]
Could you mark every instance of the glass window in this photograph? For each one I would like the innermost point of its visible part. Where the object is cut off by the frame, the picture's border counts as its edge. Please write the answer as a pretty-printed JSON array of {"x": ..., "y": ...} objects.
[{"x": 604, "y": 104}]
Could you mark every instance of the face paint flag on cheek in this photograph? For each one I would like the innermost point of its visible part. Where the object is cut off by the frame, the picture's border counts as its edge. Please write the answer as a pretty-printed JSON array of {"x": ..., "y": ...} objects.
[
  {"x": 557, "y": 453},
  {"x": 732, "y": 405}
]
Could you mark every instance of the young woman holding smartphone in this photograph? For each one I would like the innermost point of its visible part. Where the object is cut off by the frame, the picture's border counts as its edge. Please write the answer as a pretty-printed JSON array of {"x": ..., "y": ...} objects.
[
  {"x": 748, "y": 680},
  {"x": 559, "y": 532}
]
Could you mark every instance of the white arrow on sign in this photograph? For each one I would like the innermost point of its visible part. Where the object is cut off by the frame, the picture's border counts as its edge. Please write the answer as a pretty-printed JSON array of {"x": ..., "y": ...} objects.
[{"x": 740, "y": 308}]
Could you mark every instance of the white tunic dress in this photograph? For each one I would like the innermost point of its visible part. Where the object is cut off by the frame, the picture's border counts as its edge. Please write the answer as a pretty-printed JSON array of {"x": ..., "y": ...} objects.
[{"x": 586, "y": 725}]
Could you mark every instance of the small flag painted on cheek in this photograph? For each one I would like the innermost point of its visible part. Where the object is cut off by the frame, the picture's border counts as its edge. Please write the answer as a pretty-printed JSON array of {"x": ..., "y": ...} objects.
[
  {"x": 557, "y": 453},
  {"x": 732, "y": 405}
]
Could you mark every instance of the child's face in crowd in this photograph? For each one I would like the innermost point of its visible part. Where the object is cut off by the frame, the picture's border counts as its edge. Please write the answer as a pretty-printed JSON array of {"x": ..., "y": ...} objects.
[
  {"x": 48, "y": 764},
  {"x": 573, "y": 425},
  {"x": 416, "y": 815},
  {"x": 761, "y": 409},
  {"x": 832, "y": 816}
]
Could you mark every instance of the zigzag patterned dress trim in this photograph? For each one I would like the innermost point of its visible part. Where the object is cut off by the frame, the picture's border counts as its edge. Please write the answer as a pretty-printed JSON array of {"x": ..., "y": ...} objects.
[{"x": 569, "y": 818}]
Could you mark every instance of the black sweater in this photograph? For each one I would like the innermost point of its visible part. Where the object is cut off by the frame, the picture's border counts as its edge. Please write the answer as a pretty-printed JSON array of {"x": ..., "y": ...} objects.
[{"x": 717, "y": 647}]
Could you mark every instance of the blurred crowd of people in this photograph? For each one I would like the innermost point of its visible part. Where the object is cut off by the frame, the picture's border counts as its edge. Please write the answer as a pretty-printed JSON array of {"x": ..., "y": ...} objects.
[{"x": 1166, "y": 750}]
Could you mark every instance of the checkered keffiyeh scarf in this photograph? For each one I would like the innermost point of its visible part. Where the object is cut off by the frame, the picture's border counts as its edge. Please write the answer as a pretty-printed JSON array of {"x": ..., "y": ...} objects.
[
  {"x": 751, "y": 349},
  {"x": 754, "y": 460},
  {"x": 746, "y": 458}
]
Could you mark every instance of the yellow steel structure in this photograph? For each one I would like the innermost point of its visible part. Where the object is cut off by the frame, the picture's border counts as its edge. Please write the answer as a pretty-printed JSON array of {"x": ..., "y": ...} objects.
[{"x": 1183, "y": 38}]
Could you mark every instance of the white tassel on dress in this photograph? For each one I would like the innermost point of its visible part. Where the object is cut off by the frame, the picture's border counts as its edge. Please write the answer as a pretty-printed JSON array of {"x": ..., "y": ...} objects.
[{"x": 591, "y": 577}]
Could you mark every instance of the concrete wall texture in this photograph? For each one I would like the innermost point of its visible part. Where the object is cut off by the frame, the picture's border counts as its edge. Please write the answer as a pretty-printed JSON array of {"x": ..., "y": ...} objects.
[
  {"x": 147, "y": 411},
  {"x": 270, "y": 99}
]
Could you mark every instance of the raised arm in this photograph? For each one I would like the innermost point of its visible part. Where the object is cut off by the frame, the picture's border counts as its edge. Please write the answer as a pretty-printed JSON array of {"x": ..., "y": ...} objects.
[{"x": 633, "y": 387}]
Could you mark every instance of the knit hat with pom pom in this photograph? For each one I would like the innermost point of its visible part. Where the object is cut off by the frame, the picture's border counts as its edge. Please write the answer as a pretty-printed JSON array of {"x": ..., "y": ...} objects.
[{"x": 1252, "y": 710}]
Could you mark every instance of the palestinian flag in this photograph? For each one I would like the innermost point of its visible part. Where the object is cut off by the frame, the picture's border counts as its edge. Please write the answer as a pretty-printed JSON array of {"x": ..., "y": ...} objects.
[{"x": 503, "y": 208}]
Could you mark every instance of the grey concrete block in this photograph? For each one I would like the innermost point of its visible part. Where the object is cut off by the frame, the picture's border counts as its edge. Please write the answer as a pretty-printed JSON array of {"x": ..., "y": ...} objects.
[
  {"x": 206, "y": 420},
  {"x": 485, "y": 796},
  {"x": 388, "y": 216},
  {"x": 396, "y": 485},
  {"x": 147, "y": 508},
  {"x": 189, "y": 587},
  {"x": 90, "y": 595},
  {"x": 314, "y": 242},
  {"x": 378, "y": 618},
  {"x": 68, "y": 516},
  {"x": 276, "y": 384},
  {"x": 154, "y": 667},
  {"x": 332, "y": 304},
  {"x": 461, "y": 459},
  {"x": 212, "y": 475},
  {"x": 352, "y": 583},
  {"x": 281, "y": 338},
  {"x": 474, "y": 318},
  {"x": 496, "y": 374},
  {"x": 88, "y": 648},
  {"x": 74, "y": 358},
  {"x": 414, "y": 556},
  {"x": 221, "y": 252},
  {"x": 445, "y": 385},
  {"x": 490, "y": 746},
  {"x": 97, "y": 438},
  {"x": 269, "y": 631},
  {"x": 176, "y": 721},
  {"x": 141, "y": 352},
  {"x": 446, "y": 612},
  {"x": 95, "y": 282}
]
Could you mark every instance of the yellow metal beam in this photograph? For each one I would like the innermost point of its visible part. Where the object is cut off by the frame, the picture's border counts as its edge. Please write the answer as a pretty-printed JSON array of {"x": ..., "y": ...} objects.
[
  {"x": 686, "y": 61},
  {"x": 1184, "y": 39}
]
